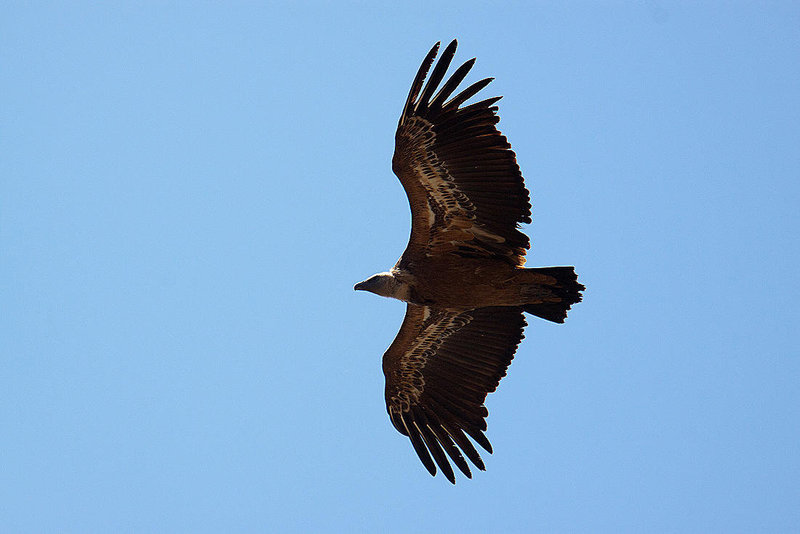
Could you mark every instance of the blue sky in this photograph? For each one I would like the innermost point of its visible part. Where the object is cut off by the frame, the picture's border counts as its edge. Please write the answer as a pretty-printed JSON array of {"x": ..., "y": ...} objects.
[{"x": 188, "y": 193}]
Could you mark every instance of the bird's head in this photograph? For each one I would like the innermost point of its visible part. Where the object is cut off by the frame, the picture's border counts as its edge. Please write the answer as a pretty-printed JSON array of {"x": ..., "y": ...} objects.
[{"x": 383, "y": 284}]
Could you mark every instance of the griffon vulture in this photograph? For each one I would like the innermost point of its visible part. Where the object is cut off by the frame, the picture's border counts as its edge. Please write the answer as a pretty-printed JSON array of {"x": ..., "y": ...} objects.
[{"x": 462, "y": 273}]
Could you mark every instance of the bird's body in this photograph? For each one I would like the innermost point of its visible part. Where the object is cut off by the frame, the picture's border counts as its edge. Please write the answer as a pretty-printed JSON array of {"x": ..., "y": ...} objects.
[
  {"x": 462, "y": 272},
  {"x": 471, "y": 283}
]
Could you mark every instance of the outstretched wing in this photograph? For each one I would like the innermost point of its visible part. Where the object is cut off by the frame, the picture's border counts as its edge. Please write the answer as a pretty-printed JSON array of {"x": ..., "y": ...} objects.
[
  {"x": 439, "y": 369},
  {"x": 463, "y": 183}
]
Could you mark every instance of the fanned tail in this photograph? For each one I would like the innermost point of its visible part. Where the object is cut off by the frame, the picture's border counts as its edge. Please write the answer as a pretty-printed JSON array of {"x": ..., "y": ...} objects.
[{"x": 552, "y": 294}]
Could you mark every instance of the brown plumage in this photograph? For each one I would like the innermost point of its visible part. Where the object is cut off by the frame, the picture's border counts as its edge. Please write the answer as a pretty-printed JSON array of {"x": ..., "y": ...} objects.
[{"x": 462, "y": 272}]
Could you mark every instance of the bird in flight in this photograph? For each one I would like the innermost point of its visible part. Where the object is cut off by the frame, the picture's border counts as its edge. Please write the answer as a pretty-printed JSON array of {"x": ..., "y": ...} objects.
[{"x": 462, "y": 273}]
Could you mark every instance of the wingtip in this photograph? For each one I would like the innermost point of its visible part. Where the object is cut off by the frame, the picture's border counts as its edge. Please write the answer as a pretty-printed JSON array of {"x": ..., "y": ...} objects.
[{"x": 431, "y": 469}]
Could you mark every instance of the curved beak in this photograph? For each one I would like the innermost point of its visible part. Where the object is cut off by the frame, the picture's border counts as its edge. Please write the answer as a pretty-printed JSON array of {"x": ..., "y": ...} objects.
[{"x": 359, "y": 286}]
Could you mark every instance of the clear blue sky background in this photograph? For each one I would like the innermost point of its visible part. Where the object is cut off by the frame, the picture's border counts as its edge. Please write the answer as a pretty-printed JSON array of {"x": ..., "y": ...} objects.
[{"x": 188, "y": 193}]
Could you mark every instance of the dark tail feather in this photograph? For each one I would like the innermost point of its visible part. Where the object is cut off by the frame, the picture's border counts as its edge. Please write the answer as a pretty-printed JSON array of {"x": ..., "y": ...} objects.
[{"x": 562, "y": 283}]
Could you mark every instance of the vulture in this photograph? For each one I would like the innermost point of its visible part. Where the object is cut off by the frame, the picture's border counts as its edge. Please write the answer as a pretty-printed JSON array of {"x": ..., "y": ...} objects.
[{"x": 462, "y": 274}]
